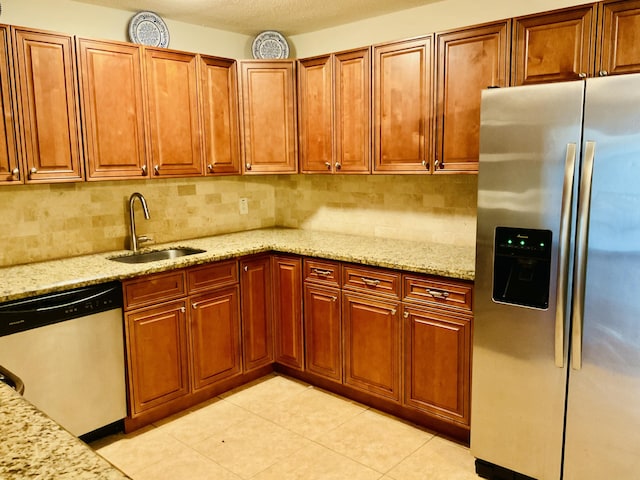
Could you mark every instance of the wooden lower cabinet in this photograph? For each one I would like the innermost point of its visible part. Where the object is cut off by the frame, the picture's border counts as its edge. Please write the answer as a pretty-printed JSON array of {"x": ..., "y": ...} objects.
[
  {"x": 323, "y": 337},
  {"x": 215, "y": 336},
  {"x": 437, "y": 359},
  {"x": 157, "y": 355},
  {"x": 372, "y": 333},
  {"x": 257, "y": 337},
  {"x": 287, "y": 311}
]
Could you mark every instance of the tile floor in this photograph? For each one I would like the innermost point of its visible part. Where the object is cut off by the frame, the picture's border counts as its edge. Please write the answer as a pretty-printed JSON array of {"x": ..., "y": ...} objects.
[{"x": 279, "y": 428}]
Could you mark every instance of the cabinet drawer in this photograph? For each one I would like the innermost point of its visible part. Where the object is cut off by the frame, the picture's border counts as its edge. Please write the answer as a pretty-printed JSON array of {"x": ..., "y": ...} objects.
[
  {"x": 370, "y": 280},
  {"x": 211, "y": 276},
  {"x": 154, "y": 289},
  {"x": 322, "y": 272},
  {"x": 433, "y": 290}
]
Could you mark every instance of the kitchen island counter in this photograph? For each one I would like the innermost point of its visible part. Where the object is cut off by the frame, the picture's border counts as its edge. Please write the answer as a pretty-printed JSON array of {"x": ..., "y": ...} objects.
[
  {"x": 34, "y": 446},
  {"x": 420, "y": 257}
]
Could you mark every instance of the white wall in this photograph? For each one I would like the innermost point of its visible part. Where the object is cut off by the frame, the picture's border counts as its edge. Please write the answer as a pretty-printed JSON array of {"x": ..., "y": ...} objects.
[
  {"x": 91, "y": 21},
  {"x": 434, "y": 17}
]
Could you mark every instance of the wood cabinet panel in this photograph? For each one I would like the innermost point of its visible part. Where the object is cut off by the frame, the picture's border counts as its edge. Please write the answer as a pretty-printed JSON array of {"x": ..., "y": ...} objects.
[
  {"x": 403, "y": 106},
  {"x": 213, "y": 275},
  {"x": 437, "y": 362},
  {"x": 371, "y": 280},
  {"x": 437, "y": 292},
  {"x": 112, "y": 109},
  {"x": 469, "y": 61},
  {"x": 153, "y": 289},
  {"x": 268, "y": 116},
  {"x": 619, "y": 49},
  {"x": 216, "y": 349},
  {"x": 157, "y": 360},
  {"x": 323, "y": 335},
  {"x": 174, "y": 128},
  {"x": 322, "y": 272},
  {"x": 287, "y": 311},
  {"x": 219, "y": 93},
  {"x": 9, "y": 163},
  {"x": 554, "y": 46},
  {"x": 257, "y": 338},
  {"x": 46, "y": 84},
  {"x": 372, "y": 333}
]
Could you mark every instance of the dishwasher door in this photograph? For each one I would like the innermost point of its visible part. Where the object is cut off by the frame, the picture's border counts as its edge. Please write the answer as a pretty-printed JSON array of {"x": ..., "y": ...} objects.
[{"x": 73, "y": 370}]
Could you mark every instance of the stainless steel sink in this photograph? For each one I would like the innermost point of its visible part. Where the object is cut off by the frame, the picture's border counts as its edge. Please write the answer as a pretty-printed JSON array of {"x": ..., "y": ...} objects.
[{"x": 154, "y": 256}]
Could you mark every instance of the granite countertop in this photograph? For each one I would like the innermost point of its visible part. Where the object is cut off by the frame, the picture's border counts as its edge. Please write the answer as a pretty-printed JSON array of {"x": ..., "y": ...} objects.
[
  {"x": 34, "y": 446},
  {"x": 421, "y": 257}
]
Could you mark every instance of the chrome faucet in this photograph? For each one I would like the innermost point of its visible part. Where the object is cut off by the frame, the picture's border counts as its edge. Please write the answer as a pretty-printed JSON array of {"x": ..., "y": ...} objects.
[{"x": 132, "y": 220}]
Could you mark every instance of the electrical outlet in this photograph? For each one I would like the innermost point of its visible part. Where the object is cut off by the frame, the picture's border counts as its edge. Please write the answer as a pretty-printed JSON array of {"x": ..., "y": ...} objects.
[{"x": 244, "y": 206}]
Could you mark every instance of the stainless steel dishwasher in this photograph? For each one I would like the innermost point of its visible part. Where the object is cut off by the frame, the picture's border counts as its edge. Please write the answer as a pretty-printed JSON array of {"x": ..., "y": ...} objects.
[{"x": 68, "y": 349}]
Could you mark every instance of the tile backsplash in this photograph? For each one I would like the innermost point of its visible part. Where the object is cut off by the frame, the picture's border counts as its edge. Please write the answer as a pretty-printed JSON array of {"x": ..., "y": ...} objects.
[{"x": 41, "y": 222}]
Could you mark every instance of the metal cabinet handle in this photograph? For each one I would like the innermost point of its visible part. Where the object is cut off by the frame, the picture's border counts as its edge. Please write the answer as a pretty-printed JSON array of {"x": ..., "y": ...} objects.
[
  {"x": 393, "y": 311},
  {"x": 328, "y": 165},
  {"x": 183, "y": 309},
  {"x": 194, "y": 305},
  {"x": 338, "y": 165},
  {"x": 247, "y": 166},
  {"x": 33, "y": 170},
  {"x": 406, "y": 315},
  {"x": 437, "y": 293},
  {"x": 582, "y": 75},
  {"x": 319, "y": 271},
  {"x": 436, "y": 164},
  {"x": 16, "y": 172},
  {"x": 371, "y": 282},
  {"x": 334, "y": 298},
  {"x": 425, "y": 164},
  {"x": 580, "y": 272},
  {"x": 603, "y": 73},
  {"x": 563, "y": 252},
  {"x": 144, "y": 170},
  {"x": 156, "y": 170},
  {"x": 246, "y": 268},
  {"x": 210, "y": 168}
]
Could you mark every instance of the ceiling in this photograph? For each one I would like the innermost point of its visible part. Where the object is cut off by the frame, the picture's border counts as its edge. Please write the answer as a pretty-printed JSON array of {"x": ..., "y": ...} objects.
[{"x": 249, "y": 17}]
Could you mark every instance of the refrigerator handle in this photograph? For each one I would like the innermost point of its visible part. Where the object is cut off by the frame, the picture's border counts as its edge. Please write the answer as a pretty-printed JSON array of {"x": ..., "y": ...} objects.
[
  {"x": 580, "y": 272},
  {"x": 563, "y": 252}
]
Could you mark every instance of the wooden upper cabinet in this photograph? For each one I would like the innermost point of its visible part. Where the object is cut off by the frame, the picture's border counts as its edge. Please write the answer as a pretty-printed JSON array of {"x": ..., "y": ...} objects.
[
  {"x": 268, "y": 116},
  {"x": 403, "y": 106},
  {"x": 174, "y": 126},
  {"x": 554, "y": 46},
  {"x": 46, "y": 85},
  {"x": 219, "y": 94},
  {"x": 469, "y": 61},
  {"x": 334, "y": 94},
  {"x": 9, "y": 166},
  {"x": 111, "y": 96},
  {"x": 619, "y": 49}
]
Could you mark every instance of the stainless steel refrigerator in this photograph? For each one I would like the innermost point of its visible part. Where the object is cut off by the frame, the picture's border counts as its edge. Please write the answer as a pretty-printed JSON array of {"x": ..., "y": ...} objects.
[{"x": 556, "y": 350}]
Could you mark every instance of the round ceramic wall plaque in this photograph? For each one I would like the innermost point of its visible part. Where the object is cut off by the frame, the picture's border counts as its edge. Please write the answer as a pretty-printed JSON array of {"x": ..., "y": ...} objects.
[
  {"x": 270, "y": 45},
  {"x": 147, "y": 28}
]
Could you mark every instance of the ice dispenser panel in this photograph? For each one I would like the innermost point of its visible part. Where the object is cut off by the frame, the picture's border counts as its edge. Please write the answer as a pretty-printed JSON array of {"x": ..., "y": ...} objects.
[{"x": 522, "y": 266}]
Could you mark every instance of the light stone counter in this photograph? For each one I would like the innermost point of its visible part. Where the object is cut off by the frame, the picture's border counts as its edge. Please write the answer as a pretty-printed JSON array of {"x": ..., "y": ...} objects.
[
  {"x": 437, "y": 259},
  {"x": 34, "y": 446}
]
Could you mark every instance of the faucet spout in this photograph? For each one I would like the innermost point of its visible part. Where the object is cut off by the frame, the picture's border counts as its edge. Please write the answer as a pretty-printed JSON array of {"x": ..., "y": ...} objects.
[{"x": 132, "y": 218}]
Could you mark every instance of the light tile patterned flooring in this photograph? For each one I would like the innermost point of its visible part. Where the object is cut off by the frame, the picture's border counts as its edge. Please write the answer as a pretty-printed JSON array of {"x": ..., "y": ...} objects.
[{"x": 277, "y": 428}]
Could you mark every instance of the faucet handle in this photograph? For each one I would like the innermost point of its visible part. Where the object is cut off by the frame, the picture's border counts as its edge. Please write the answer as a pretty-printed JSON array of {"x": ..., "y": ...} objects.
[{"x": 145, "y": 239}]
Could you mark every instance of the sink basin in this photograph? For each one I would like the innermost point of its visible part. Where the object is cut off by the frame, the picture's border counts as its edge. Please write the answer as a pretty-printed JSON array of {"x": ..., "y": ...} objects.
[{"x": 157, "y": 255}]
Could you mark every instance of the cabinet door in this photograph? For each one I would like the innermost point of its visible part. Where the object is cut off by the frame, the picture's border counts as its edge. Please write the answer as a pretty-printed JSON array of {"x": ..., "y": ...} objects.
[
  {"x": 215, "y": 336},
  {"x": 372, "y": 333},
  {"x": 469, "y": 61},
  {"x": 9, "y": 168},
  {"x": 315, "y": 114},
  {"x": 323, "y": 335},
  {"x": 46, "y": 84},
  {"x": 352, "y": 111},
  {"x": 174, "y": 127},
  {"x": 620, "y": 45},
  {"x": 287, "y": 311},
  {"x": 554, "y": 46},
  {"x": 268, "y": 116},
  {"x": 112, "y": 109},
  {"x": 403, "y": 106},
  {"x": 256, "y": 312},
  {"x": 157, "y": 355},
  {"x": 437, "y": 363},
  {"x": 218, "y": 84}
]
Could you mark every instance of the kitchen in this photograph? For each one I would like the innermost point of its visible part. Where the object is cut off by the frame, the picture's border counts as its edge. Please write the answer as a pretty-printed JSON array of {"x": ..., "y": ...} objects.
[{"x": 398, "y": 206}]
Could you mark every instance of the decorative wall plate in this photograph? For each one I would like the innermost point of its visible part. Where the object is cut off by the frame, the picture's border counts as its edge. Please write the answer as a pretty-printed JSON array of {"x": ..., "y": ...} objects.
[
  {"x": 270, "y": 44},
  {"x": 149, "y": 29}
]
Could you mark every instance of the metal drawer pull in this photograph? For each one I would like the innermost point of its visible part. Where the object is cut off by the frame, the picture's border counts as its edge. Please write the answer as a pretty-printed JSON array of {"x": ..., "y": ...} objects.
[
  {"x": 370, "y": 281},
  {"x": 319, "y": 271},
  {"x": 194, "y": 305},
  {"x": 183, "y": 310},
  {"x": 438, "y": 293}
]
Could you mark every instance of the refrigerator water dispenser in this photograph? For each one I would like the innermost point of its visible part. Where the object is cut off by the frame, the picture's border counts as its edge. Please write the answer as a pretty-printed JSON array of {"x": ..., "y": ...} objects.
[{"x": 522, "y": 266}]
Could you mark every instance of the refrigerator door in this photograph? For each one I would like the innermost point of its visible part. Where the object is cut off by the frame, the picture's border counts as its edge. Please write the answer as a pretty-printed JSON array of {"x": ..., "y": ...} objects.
[
  {"x": 603, "y": 410},
  {"x": 527, "y": 136}
]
